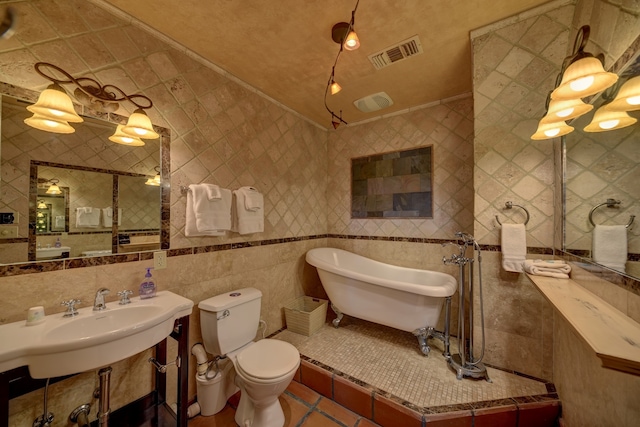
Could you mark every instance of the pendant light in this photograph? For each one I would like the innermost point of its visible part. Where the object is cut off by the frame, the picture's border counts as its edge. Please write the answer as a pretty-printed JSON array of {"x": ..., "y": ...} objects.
[
  {"x": 551, "y": 130},
  {"x": 125, "y": 139},
  {"x": 628, "y": 97},
  {"x": 582, "y": 78},
  {"x": 605, "y": 119},
  {"x": 139, "y": 125},
  {"x": 53, "y": 188},
  {"x": 49, "y": 124},
  {"x": 565, "y": 110},
  {"x": 54, "y": 104}
]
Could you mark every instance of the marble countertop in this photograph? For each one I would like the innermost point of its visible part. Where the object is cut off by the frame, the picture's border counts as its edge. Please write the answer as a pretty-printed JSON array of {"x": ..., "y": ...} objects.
[{"x": 613, "y": 336}]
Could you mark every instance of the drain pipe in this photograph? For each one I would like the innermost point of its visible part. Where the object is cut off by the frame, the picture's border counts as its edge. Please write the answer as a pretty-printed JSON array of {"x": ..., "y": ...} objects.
[
  {"x": 80, "y": 415},
  {"x": 103, "y": 406},
  {"x": 203, "y": 365}
]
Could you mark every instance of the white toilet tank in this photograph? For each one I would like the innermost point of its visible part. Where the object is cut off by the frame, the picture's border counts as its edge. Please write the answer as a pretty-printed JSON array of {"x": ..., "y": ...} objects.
[{"x": 230, "y": 320}]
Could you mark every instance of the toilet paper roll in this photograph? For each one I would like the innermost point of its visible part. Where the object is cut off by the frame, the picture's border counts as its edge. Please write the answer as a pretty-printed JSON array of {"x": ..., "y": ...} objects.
[{"x": 35, "y": 315}]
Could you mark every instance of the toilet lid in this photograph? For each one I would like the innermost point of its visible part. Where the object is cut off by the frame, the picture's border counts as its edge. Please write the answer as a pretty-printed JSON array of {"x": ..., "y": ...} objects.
[{"x": 268, "y": 358}]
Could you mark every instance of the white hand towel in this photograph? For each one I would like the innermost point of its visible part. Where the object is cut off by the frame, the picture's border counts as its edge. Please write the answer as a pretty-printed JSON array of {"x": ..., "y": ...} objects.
[
  {"x": 248, "y": 221},
  {"x": 212, "y": 190},
  {"x": 253, "y": 199},
  {"x": 610, "y": 246},
  {"x": 514, "y": 247},
  {"x": 107, "y": 216},
  {"x": 87, "y": 217},
  {"x": 550, "y": 268},
  {"x": 59, "y": 221},
  {"x": 207, "y": 217}
]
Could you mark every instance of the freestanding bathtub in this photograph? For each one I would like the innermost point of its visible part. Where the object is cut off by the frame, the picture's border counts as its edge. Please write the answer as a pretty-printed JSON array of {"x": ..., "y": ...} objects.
[{"x": 403, "y": 298}]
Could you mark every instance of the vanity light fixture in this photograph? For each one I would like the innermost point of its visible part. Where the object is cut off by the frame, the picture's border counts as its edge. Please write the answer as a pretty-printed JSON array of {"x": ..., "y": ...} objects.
[
  {"x": 628, "y": 97},
  {"x": 54, "y": 108},
  {"x": 42, "y": 205},
  {"x": 53, "y": 188},
  {"x": 605, "y": 119},
  {"x": 581, "y": 74},
  {"x": 344, "y": 34}
]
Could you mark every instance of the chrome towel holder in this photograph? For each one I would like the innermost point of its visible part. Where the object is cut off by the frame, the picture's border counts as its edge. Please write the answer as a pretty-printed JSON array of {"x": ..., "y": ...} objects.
[
  {"x": 611, "y": 203},
  {"x": 510, "y": 205}
]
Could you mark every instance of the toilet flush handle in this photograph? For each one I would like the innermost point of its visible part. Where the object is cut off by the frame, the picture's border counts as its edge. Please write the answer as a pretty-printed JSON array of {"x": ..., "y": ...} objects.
[{"x": 224, "y": 314}]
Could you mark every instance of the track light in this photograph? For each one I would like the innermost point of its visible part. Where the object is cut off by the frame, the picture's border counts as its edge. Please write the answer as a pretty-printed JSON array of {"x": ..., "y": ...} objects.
[{"x": 54, "y": 108}]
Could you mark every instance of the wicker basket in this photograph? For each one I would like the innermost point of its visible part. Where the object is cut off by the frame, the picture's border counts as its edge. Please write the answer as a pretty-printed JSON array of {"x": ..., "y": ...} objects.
[{"x": 306, "y": 315}]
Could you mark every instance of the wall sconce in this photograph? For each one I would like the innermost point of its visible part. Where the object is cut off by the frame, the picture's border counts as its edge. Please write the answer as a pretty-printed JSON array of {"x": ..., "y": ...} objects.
[
  {"x": 582, "y": 74},
  {"x": 156, "y": 180},
  {"x": 53, "y": 188},
  {"x": 125, "y": 139},
  {"x": 54, "y": 109},
  {"x": 628, "y": 97},
  {"x": 42, "y": 205},
  {"x": 343, "y": 34}
]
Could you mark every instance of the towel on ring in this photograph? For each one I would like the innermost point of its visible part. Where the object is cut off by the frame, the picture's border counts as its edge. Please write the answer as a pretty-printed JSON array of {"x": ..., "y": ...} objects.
[
  {"x": 610, "y": 246},
  {"x": 550, "y": 268},
  {"x": 248, "y": 211},
  {"x": 207, "y": 217},
  {"x": 514, "y": 247},
  {"x": 87, "y": 217},
  {"x": 107, "y": 216}
]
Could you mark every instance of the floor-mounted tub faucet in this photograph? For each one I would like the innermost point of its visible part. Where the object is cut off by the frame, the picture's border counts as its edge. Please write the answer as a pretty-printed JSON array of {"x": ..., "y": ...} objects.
[{"x": 98, "y": 303}]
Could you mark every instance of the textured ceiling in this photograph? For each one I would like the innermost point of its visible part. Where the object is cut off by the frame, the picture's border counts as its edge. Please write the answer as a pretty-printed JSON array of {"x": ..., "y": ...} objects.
[{"x": 284, "y": 48}]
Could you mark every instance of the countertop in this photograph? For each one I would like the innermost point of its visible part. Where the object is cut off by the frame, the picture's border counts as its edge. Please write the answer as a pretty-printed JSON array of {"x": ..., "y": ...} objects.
[{"x": 613, "y": 336}]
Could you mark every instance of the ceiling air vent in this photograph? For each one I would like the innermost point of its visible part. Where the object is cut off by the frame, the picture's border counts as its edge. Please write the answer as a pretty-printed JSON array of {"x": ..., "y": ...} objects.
[
  {"x": 395, "y": 53},
  {"x": 374, "y": 102}
]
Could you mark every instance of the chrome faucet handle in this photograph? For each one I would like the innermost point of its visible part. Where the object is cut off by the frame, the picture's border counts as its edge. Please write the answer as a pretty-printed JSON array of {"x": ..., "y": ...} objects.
[
  {"x": 98, "y": 303},
  {"x": 124, "y": 296},
  {"x": 71, "y": 307}
]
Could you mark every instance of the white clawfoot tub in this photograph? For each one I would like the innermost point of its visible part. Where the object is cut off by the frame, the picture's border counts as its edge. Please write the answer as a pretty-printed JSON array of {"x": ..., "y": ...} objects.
[{"x": 403, "y": 298}]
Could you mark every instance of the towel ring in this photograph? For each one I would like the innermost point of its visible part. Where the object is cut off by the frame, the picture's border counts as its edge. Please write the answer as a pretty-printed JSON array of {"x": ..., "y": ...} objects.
[
  {"x": 610, "y": 204},
  {"x": 184, "y": 190},
  {"x": 509, "y": 205}
]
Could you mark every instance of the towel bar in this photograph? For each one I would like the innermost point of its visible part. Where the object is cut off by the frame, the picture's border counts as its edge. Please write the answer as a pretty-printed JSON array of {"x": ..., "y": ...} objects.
[
  {"x": 184, "y": 190},
  {"x": 610, "y": 204},
  {"x": 509, "y": 205}
]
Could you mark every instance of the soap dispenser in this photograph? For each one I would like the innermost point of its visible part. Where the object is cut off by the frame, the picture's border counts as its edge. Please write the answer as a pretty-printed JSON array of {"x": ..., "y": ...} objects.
[
  {"x": 58, "y": 243},
  {"x": 147, "y": 287}
]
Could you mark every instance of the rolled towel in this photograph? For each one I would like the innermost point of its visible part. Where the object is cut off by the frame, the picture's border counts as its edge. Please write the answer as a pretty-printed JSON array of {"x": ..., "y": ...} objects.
[
  {"x": 610, "y": 246},
  {"x": 550, "y": 268},
  {"x": 514, "y": 247}
]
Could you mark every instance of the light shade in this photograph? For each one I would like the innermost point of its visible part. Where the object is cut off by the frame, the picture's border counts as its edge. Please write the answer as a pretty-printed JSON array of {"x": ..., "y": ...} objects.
[
  {"x": 53, "y": 189},
  {"x": 565, "y": 110},
  {"x": 605, "y": 119},
  {"x": 628, "y": 97},
  {"x": 335, "y": 87},
  {"x": 351, "y": 42},
  {"x": 54, "y": 103},
  {"x": 139, "y": 125},
  {"x": 155, "y": 181},
  {"x": 49, "y": 124},
  {"x": 125, "y": 139},
  {"x": 582, "y": 78},
  {"x": 551, "y": 130},
  {"x": 42, "y": 205}
]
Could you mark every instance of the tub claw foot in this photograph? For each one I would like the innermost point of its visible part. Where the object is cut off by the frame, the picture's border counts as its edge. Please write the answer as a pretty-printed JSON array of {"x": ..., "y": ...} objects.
[
  {"x": 336, "y": 321},
  {"x": 423, "y": 335}
]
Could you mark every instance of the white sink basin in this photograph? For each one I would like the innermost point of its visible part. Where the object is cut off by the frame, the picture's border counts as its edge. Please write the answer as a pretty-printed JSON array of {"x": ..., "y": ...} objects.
[
  {"x": 92, "y": 339},
  {"x": 50, "y": 253}
]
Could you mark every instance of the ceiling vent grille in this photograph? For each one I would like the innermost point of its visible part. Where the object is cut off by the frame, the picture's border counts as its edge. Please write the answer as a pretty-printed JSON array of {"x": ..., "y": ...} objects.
[
  {"x": 398, "y": 52},
  {"x": 374, "y": 102}
]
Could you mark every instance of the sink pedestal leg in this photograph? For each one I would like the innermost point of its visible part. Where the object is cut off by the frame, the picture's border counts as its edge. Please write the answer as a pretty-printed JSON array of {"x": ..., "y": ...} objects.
[{"x": 103, "y": 406}]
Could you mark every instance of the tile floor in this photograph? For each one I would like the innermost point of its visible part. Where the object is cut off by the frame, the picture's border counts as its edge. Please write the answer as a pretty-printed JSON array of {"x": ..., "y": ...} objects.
[
  {"x": 361, "y": 373},
  {"x": 302, "y": 406}
]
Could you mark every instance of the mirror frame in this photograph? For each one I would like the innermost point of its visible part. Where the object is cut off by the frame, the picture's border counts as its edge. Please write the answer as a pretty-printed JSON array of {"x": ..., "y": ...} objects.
[{"x": 31, "y": 96}]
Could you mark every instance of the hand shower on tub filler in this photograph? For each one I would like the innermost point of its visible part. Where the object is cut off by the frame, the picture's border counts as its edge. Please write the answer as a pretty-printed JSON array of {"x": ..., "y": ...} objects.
[{"x": 148, "y": 286}]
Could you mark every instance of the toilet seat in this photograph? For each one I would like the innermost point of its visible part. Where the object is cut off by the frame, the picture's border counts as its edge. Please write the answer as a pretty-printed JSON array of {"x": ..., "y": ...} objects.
[{"x": 267, "y": 360}]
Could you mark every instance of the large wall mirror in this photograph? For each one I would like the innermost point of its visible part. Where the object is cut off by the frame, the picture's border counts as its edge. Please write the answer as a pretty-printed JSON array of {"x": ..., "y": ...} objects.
[
  {"x": 105, "y": 204},
  {"x": 602, "y": 181}
]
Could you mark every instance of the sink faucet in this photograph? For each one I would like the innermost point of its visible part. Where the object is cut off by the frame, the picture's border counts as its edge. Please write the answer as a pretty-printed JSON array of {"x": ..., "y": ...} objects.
[{"x": 98, "y": 303}]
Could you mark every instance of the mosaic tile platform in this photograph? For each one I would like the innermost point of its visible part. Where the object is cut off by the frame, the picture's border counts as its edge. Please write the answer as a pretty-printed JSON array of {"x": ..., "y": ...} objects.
[{"x": 390, "y": 360}]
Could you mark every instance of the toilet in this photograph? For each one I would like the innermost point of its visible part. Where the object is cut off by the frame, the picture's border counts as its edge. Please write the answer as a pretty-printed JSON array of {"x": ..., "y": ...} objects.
[{"x": 263, "y": 369}]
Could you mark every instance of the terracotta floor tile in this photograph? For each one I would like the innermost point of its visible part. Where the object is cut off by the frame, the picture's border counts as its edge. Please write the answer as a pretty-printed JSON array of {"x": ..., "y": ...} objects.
[
  {"x": 337, "y": 412},
  {"x": 223, "y": 418},
  {"x": 294, "y": 410},
  {"x": 538, "y": 414},
  {"x": 388, "y": 413},
  {"x": 316, "y": 378},
  {"x": 500, "y": 416},
  {"x": 303, "y": 392},
  {"x": 352, "y": 396},
  {"x": 363, "y": 422},
  {"x": 316, "y": 419}
]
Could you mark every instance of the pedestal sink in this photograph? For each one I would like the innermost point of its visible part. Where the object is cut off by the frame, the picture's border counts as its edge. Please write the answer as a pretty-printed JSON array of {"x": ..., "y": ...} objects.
[
  {"x": 52, "y": 253},
  {"x": 92, "y": 339}
]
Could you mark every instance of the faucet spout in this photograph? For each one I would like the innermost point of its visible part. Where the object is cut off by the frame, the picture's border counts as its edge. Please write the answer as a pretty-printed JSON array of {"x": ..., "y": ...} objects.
[{"x": 98, "y": 303}]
